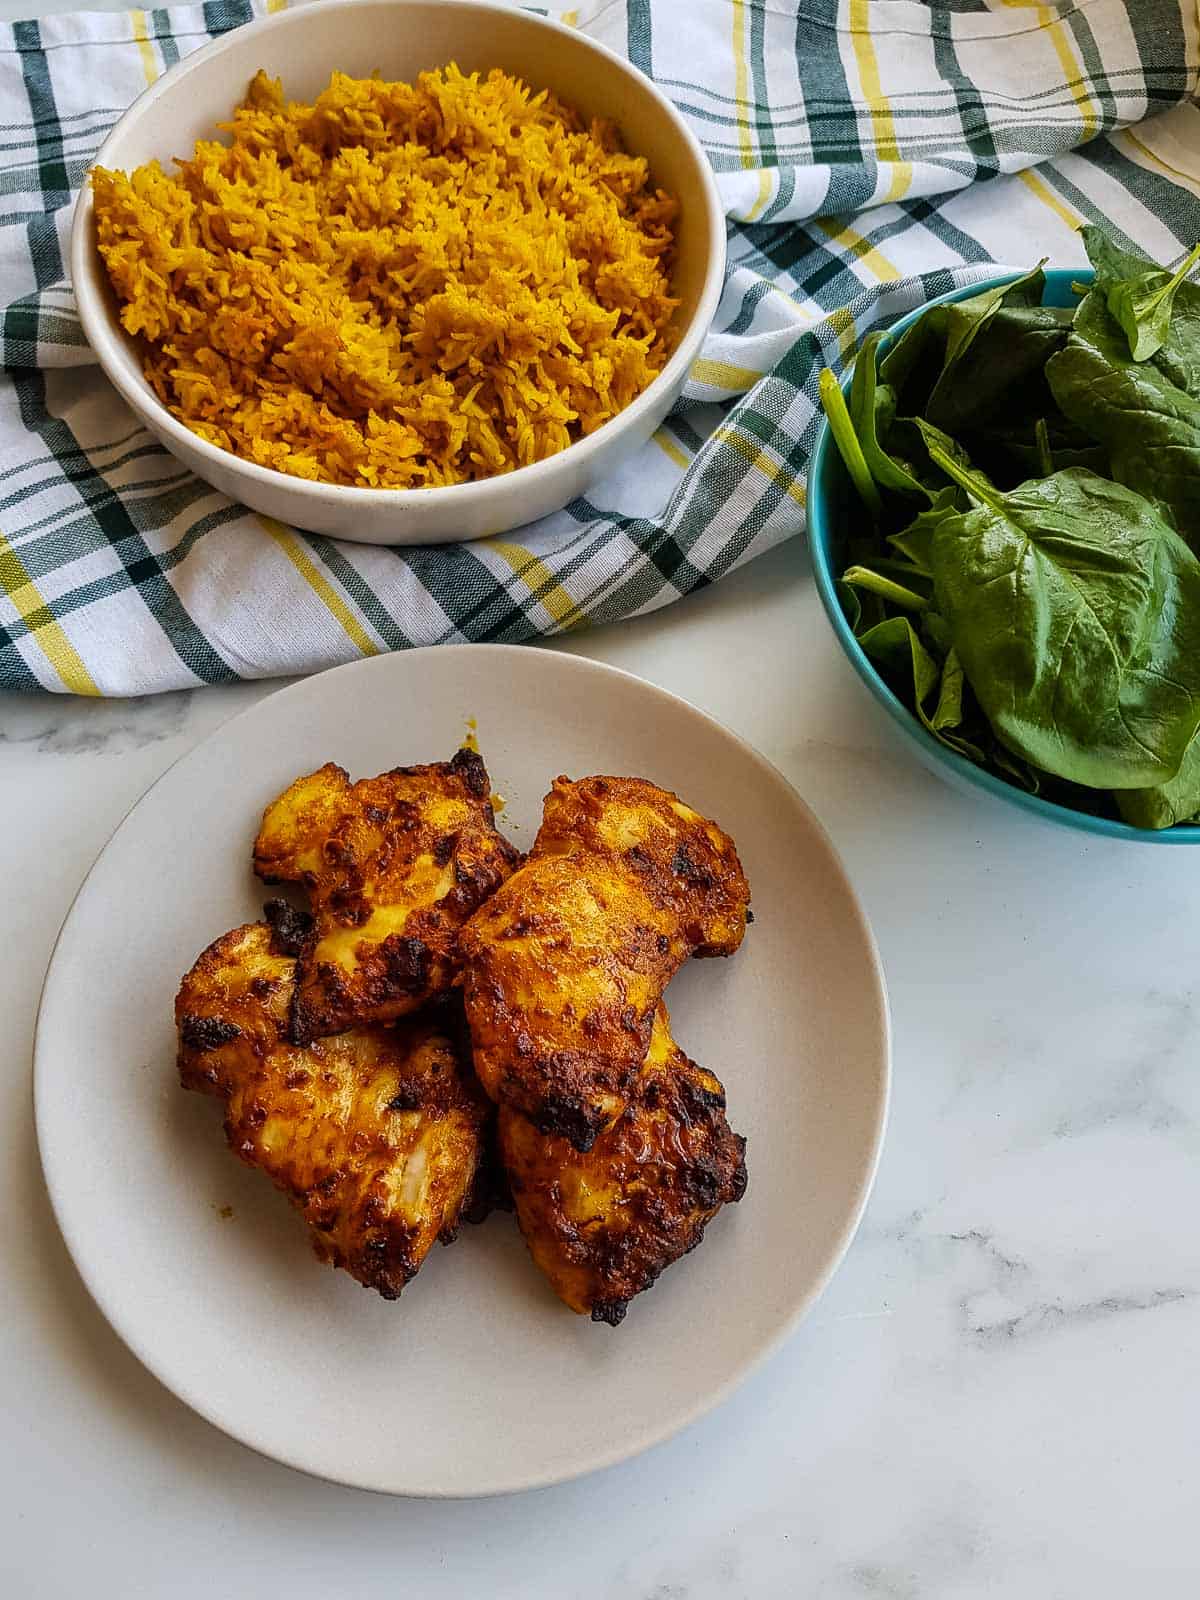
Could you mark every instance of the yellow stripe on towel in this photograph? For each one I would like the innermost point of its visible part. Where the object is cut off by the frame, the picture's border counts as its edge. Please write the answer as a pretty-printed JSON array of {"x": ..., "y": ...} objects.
[
  {"x": 43, "y": 627},
  {"x": 320, "y": 586}
]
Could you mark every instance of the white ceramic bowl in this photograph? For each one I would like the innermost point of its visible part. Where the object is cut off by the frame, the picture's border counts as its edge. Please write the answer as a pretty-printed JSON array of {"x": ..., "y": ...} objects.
[{"x": 400, "y": 38}]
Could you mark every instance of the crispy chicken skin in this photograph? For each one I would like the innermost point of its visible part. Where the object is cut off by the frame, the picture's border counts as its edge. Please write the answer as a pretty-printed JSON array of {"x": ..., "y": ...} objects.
[
  {"x": 564, "y": 967},
  {"x": 375, "y": 1135},
  {"x": 393, "y": 866},
  {"x": 604, "y": 1224}
]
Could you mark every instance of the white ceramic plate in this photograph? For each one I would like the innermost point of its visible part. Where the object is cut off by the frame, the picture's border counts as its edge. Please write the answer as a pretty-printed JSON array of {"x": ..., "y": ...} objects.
[{"x": 477, "y": 1380}]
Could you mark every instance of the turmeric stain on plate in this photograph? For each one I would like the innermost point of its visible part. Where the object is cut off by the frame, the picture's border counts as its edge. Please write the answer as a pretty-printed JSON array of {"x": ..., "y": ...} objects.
[{"x": 471, "y": 742}]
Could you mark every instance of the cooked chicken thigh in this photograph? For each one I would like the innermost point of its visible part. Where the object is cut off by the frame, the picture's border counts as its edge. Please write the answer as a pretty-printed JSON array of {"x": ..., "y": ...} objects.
[
  {"x": 376, "y": 1135},
  {"x": 393, "y": 866},
  {"x": 604, "y": 1224},
  {"x": 564, "y": 966}
]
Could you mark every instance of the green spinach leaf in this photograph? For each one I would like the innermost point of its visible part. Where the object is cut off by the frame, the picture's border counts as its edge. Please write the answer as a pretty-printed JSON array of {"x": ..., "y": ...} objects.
[
  {"x": 948, "y": 713},
  {"x": 1179, "y": 358},
  {"x": 887, "y": 588},
  {"x": 1177, "y": 800},
  {"x": 936, "y": 439},
  {"x": 966, "y": 319},
  {"x": 1009, "y": 453},
  {"x": 872, "y": 411},
  {"x": 914, "y": 539},
  {"x": 1150, "y": 427},
  {"x": 896, "y": 649},
  {"x": 942, "y": 335},
  {"x": 911, "y": 366},
  {"x": 935, "y": 691},
  {"x": 1002, "y": 370},
  {"x": 997, "y": 345},
  {"x": 845, "y": 438},
  {"x": 1109, "y": 261},
  {"x": 1075, "y": 610},
  {"x": 1143, "y": 305}
]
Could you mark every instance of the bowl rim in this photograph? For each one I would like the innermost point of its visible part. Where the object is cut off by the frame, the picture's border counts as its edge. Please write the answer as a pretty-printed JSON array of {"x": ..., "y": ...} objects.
[
  {"x": 103, "y": 333},
  {"x": 820, "y": 534}
]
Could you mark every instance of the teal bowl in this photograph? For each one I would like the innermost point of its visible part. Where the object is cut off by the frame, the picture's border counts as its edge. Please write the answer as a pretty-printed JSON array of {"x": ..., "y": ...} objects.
[{"x": 830, "y": 494}]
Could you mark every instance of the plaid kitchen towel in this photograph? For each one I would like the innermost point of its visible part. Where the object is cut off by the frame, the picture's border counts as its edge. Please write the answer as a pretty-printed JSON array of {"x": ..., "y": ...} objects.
[{"x": 870, "y": 153}]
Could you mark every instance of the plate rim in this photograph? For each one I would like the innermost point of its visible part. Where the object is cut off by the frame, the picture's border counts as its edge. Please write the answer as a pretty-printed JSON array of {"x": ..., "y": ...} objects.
[{"x": 715, "y": 1396}]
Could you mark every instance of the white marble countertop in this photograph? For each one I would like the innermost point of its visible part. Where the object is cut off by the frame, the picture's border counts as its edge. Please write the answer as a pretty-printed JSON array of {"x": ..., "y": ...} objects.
[{"x": 998, "y": 1394}]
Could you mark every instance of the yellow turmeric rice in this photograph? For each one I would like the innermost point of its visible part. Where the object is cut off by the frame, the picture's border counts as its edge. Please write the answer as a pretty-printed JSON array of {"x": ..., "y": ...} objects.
[{"x": 398, "y": 286}]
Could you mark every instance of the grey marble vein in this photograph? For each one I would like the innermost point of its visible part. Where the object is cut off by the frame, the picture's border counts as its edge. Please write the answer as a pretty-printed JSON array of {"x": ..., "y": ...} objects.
[
  {"x": 1054, "y": 1314},
  {"x": 998, "y": 1296},
  {"x": 1169, "y": 1034},
  {"x": 65, "y": 725},
  {"x": 1005, "y": 1268}
]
